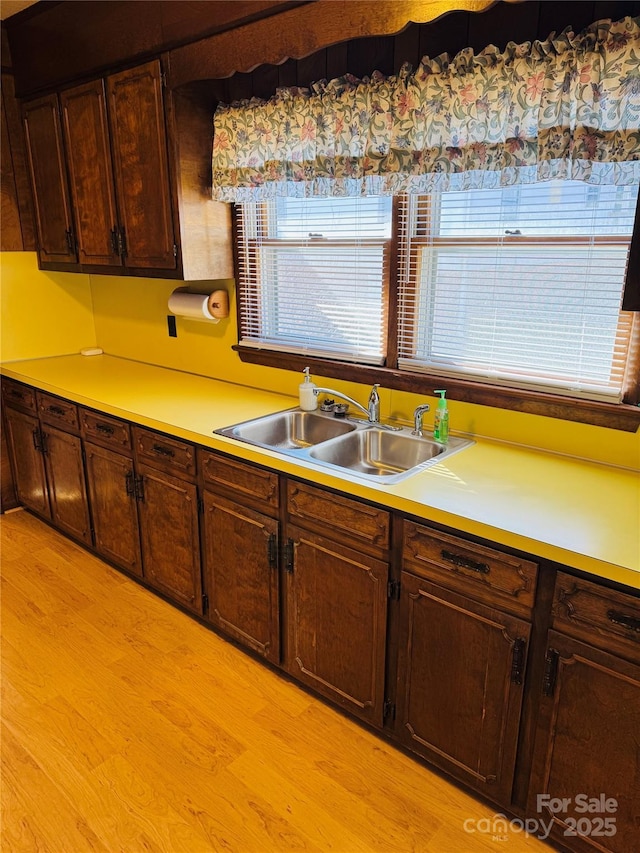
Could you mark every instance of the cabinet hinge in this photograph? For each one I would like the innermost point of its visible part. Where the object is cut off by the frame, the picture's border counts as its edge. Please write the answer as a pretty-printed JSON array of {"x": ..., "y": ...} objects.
[
  {"x": 388, "y": 710},
  {"x": 175, "y": 250},
  {"x": 393, "y": 590},
  {"x": 163, "y": 79},
  {"x": 205, "y": 604}
]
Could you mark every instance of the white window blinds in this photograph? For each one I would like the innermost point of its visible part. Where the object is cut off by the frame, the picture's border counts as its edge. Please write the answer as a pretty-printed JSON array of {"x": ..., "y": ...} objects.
[
  {"x": 313, "y": 276},
  {"x": 519, "y": 286}
]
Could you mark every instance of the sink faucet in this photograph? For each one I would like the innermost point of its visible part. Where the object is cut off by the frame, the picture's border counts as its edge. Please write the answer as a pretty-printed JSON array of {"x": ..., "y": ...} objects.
[
  {"x": 371, "y": 412},
  {"x": 417, "y": 418}
]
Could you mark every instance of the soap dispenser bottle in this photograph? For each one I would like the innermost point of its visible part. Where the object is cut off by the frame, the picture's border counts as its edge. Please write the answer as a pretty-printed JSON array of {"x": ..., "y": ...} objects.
[
  {"x": 308, "y": 400},
  {"x": 441, "y": 420}
]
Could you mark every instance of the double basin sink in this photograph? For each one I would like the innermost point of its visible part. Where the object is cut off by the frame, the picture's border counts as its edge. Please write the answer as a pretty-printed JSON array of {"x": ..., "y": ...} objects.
[{"x": 374, "y": 452}]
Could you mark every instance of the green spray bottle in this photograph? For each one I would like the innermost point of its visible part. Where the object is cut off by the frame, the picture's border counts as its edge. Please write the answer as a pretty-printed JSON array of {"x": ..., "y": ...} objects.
[{"x": 441, "y": 420}]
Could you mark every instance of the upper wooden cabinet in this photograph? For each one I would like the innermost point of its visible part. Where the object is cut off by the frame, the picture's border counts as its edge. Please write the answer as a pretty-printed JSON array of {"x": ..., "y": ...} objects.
[
  {"x": 138, "y": 198},
  {"x": 86, "y": 134},
  {"x": 45, "y": 156},
  {"x": 140, "y": 167},
  {"x": 118, "y": 170}
]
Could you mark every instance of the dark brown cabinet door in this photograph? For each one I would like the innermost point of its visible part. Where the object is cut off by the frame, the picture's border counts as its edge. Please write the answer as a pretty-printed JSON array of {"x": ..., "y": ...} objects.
[
  {"x": 139, "y": 148},
  {"x": 337, "y": 614},
  {"x": 460, "y": 674},
  {"x": 67, "y": 487},
  {"x": 24, "y": 442},
  {"x": 241, "y": 574},
  {"x": 45, "y": 155},
  {"x": 168, "y": 514},
  {"x": 114, "y": 507},
  {"x": 587, "y": 745},
  {"x": 90, "y": 174}
]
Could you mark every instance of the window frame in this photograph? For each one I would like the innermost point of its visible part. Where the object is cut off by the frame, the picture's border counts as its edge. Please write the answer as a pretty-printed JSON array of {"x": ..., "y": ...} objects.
[{"x": 624, "y": 416}]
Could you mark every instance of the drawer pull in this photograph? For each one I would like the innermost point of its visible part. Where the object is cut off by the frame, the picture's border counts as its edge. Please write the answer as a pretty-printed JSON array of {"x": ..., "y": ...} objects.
[
  {"x": 17, "y": 394},
  {"x": 465, "y": 562},
  {"x": 105, "y": 429},
  {"x": 56, "y": 410},
  {"x": 631, "y": 623},
  {"x": 163, "y": 451}
]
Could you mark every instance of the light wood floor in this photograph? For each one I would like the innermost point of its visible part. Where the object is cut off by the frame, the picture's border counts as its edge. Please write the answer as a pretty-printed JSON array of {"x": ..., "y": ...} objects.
[{"x": 127, "y": 726}]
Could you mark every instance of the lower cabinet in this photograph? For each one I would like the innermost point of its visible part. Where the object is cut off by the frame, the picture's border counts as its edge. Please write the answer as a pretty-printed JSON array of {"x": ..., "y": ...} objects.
[
  {"x": 336, "y": 570},
  {"x": 242, "y": 574},
  {"x": 24, "y": 447},
  {"x": 242, "y": 551},
  {"x": 111, "y": 482},
  {"x": 48, "y": 461},
  {"x": 585, "y": 781},
  {"x": 67, "y": 486},
  {"x": 169, "y": 532},
  {"x": 460, "y": 681},
  {"x": 337, "y": 621}
]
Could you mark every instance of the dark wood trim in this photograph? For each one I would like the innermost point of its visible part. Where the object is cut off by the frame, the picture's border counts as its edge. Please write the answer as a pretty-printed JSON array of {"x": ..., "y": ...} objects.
[
  {"x": 301, "y": 31},
  {"x": 618, "y": 416},
  {"x": 631, "y": 297}
]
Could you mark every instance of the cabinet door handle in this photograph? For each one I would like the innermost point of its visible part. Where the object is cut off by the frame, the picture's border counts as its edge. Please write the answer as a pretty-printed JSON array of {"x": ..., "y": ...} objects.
[
  {"x": 139, "y": 488},
  {"x": 56, "y": 410},
  {"x": 272, "y": 550},
  {"x": 122, "y": 243},
  {"x": 129, "y": 484},
  {"x": 288, "y": 556},
  {"x": 71, "y": 243},
  {"x": 36, "y": 440},
  {"x": 43, "y": 442},
  {"x": 465, "y": 562},
  {"x": 163, "y": 451},
  {"x": 550, "y": 672},
  {"x": 115, "y": 248},
  {"x": 517, "y": 660},
  {"x": 105, "y": 429},
  {"x": 631, "y": 623}
]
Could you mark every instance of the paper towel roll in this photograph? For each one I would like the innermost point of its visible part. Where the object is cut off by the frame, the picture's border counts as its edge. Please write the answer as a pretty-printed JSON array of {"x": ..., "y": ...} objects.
[{"x": 193, "y": 306}]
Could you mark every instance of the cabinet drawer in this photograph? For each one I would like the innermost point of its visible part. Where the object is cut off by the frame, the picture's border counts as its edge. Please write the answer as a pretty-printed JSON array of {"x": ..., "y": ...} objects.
[
  {"x": 54, "y": 410},
  {"x": 240, "y": 478},
  {"x": 105, "y": 430},
  {"x": 603, "y": 617},
  {"x": 324, "y": 511},
  {"x": 488, "y": 575},
  {"x": 18, "y": 395},
  {"x": 164, "y": 453}
]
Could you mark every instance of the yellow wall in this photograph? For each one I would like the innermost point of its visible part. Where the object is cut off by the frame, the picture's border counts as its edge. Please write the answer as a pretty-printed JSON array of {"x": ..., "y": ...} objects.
[
  {"x": 127, "y": 317},
  {"x": 43, "y": 313}
]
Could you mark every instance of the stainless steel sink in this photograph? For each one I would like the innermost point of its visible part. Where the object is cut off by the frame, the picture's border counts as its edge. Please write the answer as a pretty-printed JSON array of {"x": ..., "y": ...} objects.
[
  {"x": 289, "y": 430},
  {"x": 378, "y": 453}
]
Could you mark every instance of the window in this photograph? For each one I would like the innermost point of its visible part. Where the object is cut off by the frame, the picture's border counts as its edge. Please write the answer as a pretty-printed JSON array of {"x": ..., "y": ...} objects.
[
  {"x": 313, "y": 276},
  {"x": 517, "y": 287}
]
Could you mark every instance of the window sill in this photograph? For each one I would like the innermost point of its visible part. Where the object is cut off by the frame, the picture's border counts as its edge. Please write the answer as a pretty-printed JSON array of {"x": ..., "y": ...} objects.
[{"x": 618, "y": 416}]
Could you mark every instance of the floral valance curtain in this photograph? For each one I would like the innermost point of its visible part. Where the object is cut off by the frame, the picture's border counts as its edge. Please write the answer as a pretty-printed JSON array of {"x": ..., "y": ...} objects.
[{"x": 568, "y": 108}]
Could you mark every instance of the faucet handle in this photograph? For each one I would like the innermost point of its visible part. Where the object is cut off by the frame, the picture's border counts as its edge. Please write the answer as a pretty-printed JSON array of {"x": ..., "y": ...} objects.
[{"x": 417, "y": 418}]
